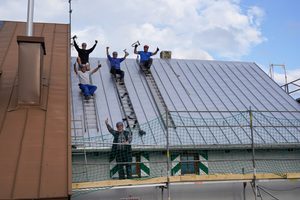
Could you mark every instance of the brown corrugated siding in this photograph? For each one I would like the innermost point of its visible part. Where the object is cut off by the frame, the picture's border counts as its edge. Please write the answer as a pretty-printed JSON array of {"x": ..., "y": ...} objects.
[
  {"x": 28, "y": 173},
  {"x": 35, "y": 161},
  {"x": 55, "y": 151},
  {"x": 10, "y": 147}
]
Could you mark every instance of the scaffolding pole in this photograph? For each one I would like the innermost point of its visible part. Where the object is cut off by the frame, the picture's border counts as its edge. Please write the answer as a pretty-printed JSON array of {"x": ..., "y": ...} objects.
[
  {"x": 271, "y": 72},
  {"x": 168, "y": 154},
  {"x": 253, "y": 154}
]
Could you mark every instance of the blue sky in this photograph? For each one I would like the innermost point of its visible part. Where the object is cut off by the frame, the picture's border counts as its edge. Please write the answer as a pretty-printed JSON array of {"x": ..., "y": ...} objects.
[
  {"x": 281, "y": 27},
  {"x": 259, "y": 31}
]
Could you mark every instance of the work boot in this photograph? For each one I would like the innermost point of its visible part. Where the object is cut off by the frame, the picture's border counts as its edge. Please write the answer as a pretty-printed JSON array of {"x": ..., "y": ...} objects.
[
  {"x": 122, "y": 81},
  {"x": 88, "y": 97}
]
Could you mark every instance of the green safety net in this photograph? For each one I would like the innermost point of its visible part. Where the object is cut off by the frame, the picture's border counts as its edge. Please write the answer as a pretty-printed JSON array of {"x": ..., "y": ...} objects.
[{"x": 207, "y": 143}]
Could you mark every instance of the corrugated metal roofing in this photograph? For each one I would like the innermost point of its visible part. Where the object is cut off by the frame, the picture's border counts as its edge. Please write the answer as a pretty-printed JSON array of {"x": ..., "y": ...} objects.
[
  {"x": 35, "y": 158},
  {"x": 202, "y": 86}
]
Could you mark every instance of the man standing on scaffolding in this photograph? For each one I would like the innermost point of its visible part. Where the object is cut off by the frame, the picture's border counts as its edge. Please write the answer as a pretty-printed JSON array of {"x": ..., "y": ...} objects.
[
  {"x": 145, "y": 60},
  {"x": 83, "y": 54},
  {"x": 121, "y": 149},
  {"x": 115, "y": 65}
]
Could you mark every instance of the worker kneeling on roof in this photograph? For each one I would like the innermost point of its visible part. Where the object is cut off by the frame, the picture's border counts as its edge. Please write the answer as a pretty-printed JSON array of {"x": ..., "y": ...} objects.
[
  {"x": 145, "y": 60},
  {"x": 115, "y": 65},
  {"x": 84, "y": 79}
]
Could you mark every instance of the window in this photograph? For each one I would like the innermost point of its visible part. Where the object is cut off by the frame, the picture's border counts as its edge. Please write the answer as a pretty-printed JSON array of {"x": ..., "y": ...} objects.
[
  {"x": 135, "y": 167},
  {"x": 189, "y": 167}
]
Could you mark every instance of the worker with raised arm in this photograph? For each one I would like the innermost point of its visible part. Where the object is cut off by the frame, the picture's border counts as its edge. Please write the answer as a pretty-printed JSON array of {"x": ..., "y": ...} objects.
[
  {"x": 84, "y": 81},
  {"x": 121, "y": 149},
  {"x": 115, "y": 65},
  {"x": 145, "y": 60},
  {"x": 83, "y": 53}
]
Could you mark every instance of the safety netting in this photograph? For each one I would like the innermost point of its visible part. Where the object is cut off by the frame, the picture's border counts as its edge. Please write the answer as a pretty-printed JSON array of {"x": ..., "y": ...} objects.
[{"x": 188, "y": 144}]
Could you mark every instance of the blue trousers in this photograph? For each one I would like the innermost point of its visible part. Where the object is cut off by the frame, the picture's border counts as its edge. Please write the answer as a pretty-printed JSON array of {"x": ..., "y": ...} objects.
[{"x": 87, "y": 89}]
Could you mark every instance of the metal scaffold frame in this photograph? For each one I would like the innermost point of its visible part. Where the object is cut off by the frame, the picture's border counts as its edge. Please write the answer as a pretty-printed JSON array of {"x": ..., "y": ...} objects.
[{"x": 166, "y": 182}]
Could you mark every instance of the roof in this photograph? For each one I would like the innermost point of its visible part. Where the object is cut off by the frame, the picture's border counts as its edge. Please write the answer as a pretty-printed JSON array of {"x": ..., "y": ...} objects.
[
  {"x": 35, "y": 158},
  {"x": 206, "y": 86}
]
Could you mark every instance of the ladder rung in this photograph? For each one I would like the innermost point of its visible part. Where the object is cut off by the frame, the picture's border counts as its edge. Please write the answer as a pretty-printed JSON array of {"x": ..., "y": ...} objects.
[
  {"x": 127, "y": 106},
  {"x": 132, "y": 120},
  {"x": 89, "y": 108},
  {"x": 91, "y": 121},
  {"x": 91, "y": 104},
  {"x": 127, "y": 103},
  {"x": 90, "y": 112}
]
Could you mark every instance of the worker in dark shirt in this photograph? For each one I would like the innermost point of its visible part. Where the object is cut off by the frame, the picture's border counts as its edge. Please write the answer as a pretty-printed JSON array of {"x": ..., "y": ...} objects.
[
  {"x": 83, "y": 54},
  {"x": 121, "y": 148}
]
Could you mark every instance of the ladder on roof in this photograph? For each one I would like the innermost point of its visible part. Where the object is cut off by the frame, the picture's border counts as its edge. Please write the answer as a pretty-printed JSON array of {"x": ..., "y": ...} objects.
[
  {"x": 156, "y": 95},
  {"x": 90, "y": 111},
  {"x": 126, "y": 105},
  {"x": 79, "y": 150}
]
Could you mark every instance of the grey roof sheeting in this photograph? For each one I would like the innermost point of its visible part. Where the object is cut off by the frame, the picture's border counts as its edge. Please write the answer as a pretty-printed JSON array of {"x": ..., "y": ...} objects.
[{"x": 202, "y": 86}]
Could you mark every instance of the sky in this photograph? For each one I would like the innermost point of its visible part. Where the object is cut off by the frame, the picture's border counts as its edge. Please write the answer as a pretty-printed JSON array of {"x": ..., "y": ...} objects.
[{"x": 260, "y": 31}]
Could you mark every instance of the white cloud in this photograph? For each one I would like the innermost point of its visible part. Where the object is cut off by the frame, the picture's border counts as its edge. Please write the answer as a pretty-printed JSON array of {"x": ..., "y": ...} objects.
[
  {"x": 13, "y": 10},
  {"x": 89, "y": 35},
  {"x": 255, "y": 15},
  {"x": 198, "y": 54},
  {"x": 54, "y": 11},
  {"x": 212, "y": 28}
]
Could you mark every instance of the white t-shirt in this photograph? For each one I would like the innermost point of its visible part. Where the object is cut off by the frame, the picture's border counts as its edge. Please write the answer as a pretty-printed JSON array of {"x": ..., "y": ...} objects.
[{"x": 84, "y": 78}]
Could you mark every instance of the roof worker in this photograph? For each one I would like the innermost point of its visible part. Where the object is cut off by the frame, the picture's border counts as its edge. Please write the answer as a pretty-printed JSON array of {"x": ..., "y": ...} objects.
[
  {"x": 84, "y": 79},
  {"x": 115, "y": 67},
  {"x": 83, "y": 54},
  {"x": 145, "y": 60},
  {"x": 121, "y": 149}
]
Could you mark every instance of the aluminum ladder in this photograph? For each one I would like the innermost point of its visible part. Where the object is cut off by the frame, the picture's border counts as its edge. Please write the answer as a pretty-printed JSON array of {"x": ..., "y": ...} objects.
[
  {"x": 129, "y": 115},
  {"x": 90, "y": 111},
  {"x": 156, "y": 95},
  {"x": 78, "y": 148}
]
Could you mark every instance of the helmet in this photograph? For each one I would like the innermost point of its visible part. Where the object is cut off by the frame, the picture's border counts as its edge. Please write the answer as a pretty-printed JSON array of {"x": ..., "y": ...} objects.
[
  {"x": 115, "y": 53},
  {"x": 146, "y": 46},
  {"x": 83, "y": 44},
  {"x": 119, "y": 124}
]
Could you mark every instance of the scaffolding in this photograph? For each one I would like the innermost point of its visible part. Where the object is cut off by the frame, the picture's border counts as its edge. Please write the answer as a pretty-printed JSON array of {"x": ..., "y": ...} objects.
[
  {"x": 271, "y": 72},
  {"x": 291, "y": 87},
  {"x": 250, "y": 161}
]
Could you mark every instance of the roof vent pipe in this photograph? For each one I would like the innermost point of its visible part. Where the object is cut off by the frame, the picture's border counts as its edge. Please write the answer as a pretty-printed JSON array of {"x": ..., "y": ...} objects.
[{"x": 30, "y": 18}]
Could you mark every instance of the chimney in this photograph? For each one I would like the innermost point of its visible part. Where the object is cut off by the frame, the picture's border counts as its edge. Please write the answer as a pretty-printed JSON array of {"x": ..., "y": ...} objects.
[
  {"x": 165, "y": 54},
  {"x": 31, "y": 58}
]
